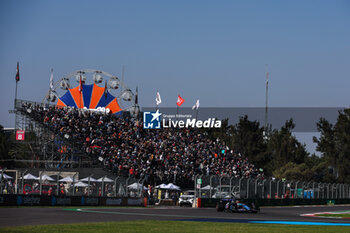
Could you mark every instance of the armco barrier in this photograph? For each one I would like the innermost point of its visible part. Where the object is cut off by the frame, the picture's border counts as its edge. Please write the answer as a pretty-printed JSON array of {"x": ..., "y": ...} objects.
[
  {"x": 206, "y": 202},
  {"x": 90, "y": 201},
  {"x": 37, "y": 200},
  {"x": 8, "y": 200}
]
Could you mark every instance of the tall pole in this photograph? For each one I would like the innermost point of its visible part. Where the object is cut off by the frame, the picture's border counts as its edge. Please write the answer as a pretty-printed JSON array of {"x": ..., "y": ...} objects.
[
  {"x": 177, "y": 107},
  {"x": 266, "y": 100},
  {"x": 123, "y": 70},
  {"x": 80, "y": 90},
  {"x": 17, "y": 80},
  {"x": 157, "y": 101},
  {"x": 14, "y": 107},
  {"x": 137, "y": 104},
  {"x": 16, "y": 94}
]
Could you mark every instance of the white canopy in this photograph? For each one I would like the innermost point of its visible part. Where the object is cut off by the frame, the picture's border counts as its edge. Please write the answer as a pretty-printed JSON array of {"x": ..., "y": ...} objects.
[
  {"x": 172, "y": 186},
  {"x": 207, "y": 187},
  {"x": 106, "y": 179},
  {"x": 30, "y": 177},
  {"x": 80, "y": 184},
  {"x": 5, "y": 176},
  {"x": 169, "y": 186},
  {"x": 66, "y": 179},
  {"x": 136, "y": 186},
  {"x": 46, "y": 177},
  {"x": 161, "y": 186},
  {"x": 86, "y": 179}
]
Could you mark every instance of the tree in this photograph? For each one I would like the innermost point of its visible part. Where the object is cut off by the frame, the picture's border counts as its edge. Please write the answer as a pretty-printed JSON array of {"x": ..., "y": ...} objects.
[
  {"x": 247, "y": 137},
  {"x": 281, "y": 154},
  {"x": 326, "y": 143},
  {"x": 283, "y": 147},
  {"x": 342, "y": 145},
  {"x": 334, "y": 144},
  {"x": 293, "y": 171},
  {"x": 248, "y": 140},
  {"x": 224, "y": 133}
]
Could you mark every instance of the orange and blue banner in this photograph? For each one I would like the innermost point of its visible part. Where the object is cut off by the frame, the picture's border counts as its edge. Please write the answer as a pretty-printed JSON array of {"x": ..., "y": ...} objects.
[{"x": 91, "y": 96}]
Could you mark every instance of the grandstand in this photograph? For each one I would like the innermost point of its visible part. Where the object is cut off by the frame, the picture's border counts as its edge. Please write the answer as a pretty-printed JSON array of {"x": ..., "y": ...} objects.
[{"x": 121, "y": 145}]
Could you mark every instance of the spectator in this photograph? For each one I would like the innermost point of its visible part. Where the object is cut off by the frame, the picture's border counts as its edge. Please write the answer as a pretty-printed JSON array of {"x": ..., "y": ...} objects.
[{"x": 49, "y": 192}]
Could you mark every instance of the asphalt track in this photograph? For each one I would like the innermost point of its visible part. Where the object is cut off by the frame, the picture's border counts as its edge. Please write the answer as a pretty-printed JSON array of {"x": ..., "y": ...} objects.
[{"x": 39, "y": 216}]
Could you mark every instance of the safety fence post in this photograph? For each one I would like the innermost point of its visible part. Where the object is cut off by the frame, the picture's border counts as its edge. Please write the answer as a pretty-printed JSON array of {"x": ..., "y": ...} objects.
[
  {"x": 195, "y": 187},
  {"x": 296, "y": 189},
  {"x": 126, "y": 186},
  {"x": 57, "y": 182},
  {"x": 211, "y": 185},
  {"x": 115, "y": 186},
  {"x": 220, "y": 177},
  {"x": 263, "y": 189},
  {"x": 23, "y": 181},
  {"x": 239, "y": 186},
  {"x": 231, "y": 190},
  {"x": 248, "y": 189}
]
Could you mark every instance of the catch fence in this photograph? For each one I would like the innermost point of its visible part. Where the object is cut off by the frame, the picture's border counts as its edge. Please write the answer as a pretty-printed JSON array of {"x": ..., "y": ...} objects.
[
  {"x": 255, "y": 188},
  {"x": 210, "y": 187}
]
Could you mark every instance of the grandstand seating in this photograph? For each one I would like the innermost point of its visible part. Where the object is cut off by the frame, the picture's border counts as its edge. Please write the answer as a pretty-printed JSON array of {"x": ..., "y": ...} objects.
[{"x": 121, "y": 145}]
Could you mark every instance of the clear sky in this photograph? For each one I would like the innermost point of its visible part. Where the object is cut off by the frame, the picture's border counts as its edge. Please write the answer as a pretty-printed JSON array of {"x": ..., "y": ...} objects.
[{"x": 213, "y": 50}]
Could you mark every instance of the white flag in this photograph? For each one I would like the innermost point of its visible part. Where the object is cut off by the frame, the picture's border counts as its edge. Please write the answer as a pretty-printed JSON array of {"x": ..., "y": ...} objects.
[
  {"x": 158, "y": 99},
  {"x": 196, "y": 105},
  {"x": 51, "y": 80}
]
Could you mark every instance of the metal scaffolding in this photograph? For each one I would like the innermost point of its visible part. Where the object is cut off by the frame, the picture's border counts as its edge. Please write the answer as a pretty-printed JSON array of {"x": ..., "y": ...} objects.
[{"x": 44, "y": 145}]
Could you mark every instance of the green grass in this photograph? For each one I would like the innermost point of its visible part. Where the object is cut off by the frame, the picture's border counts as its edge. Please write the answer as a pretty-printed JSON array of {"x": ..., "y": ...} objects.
[
  {"x": 335, "y": 215},
  {"x": 173, "y": 226}
]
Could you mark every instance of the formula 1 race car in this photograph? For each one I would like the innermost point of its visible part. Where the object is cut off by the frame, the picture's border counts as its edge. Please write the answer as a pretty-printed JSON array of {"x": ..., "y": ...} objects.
[{"x": 233, "y": 206}]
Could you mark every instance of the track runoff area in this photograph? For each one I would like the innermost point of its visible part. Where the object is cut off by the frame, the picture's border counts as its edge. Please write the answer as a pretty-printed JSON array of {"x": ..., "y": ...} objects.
[{"x": 299, "y": 215}]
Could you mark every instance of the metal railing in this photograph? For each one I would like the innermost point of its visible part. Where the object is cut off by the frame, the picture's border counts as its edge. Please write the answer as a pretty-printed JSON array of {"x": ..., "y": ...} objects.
[{"x": 251, "y": 188}]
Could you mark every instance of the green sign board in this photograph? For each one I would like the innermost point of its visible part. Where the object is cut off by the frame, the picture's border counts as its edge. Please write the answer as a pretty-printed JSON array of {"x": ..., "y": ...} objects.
[
  {"x": 330, "y": 202},
  {"x": 199, "y": 181},
  {"x": 300, "y": 192}
]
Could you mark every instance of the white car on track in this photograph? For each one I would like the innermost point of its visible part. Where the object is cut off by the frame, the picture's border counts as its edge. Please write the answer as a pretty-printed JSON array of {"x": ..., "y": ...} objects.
[{"x": 186, "y": 198}]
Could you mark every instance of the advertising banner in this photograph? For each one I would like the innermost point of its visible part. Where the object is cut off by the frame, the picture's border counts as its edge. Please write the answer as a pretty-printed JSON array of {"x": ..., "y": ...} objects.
[
  {"x": 37, "y": 200},
  {"x": 20, "y": 135}
]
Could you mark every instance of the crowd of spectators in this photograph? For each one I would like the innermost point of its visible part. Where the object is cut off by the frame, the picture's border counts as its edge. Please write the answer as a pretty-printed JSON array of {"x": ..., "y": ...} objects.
[{"x": 121, "y": 145}]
